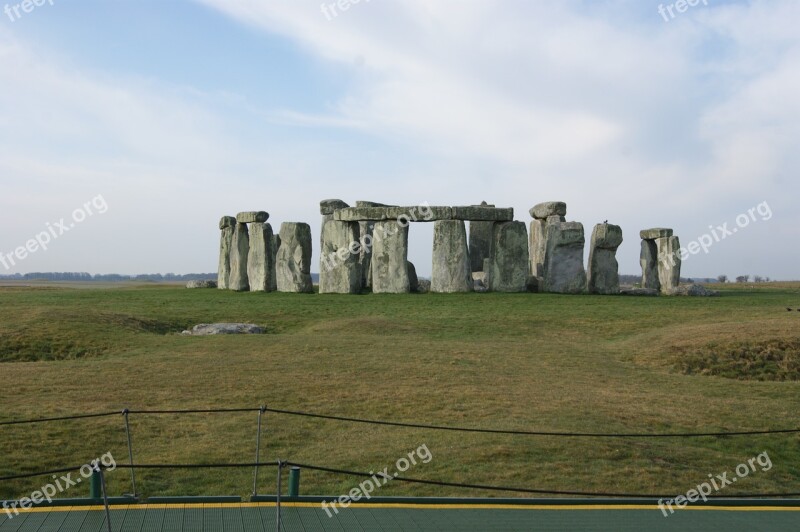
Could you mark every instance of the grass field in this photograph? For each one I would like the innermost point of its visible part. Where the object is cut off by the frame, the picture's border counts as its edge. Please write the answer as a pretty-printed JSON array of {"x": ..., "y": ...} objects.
[{"x": 508, "y": 361}]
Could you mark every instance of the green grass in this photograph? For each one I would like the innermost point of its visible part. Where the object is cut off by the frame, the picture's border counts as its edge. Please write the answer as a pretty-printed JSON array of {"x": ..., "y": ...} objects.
[{"x": 508, "y": 361}]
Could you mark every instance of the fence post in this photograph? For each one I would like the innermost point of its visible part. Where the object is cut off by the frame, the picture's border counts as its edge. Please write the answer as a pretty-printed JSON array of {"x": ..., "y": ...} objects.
[
  {"x": 95, "y": 486},
  {"x": 278, "y": 498},
  {"x": 294, "y": 481},
  {"x": 261, "y": 411},
  {"x": 105, "y": 495},
  {"x": 130, "y": 450}
]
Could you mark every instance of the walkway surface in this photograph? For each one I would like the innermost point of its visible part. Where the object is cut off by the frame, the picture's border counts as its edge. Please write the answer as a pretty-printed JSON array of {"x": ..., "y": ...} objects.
[{"x": 483, "y": 517}]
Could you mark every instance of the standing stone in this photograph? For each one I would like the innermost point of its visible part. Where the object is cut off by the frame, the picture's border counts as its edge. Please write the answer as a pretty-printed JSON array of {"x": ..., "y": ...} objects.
[
  {"x": 451, "y": 258},
  {"x": 339, "y": 271},
  {"x": 509, "y": 261},
  {"x": 538, "y": 246},
  {"x": 259, "y": 259},
  {"x": 413, "y": 280},
  {"x": 648, "y": 258},
  {"x": 669, "y": 263},
  {"x": 543, "y": 214},
  {"x": 226, "y": 225},
  {"x": 326, "y": 209},
  {"x": 273, "y": 275},
  {"x": 293, "y": 264},
  {"x": 365, "y": 230},
  {"x": 603, "y": 276},
  {"x": 480, "y": 242},
  {"x": 389, "y": 258},
  {"x": 240, "y": 249},
  {"x": 563, "y": 267}
]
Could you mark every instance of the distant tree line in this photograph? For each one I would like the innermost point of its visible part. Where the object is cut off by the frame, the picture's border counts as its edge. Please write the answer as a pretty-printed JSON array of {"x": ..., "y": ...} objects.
[
  {"x": 744, "y": 279},
  {"x": 106, "y": 277}
]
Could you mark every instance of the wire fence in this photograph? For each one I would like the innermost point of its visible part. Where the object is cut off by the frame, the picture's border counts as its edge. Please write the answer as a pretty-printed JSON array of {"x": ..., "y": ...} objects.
[{"x": 257, "y": 464}]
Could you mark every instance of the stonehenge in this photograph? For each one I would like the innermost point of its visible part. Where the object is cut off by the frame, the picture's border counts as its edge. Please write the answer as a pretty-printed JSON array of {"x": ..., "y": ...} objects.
[
  {"x": 240, "y": 249},
  {"x": 293, "y": 262},
  {"x": 339, "y": 270},
  {"x": 660, "y": 259},
  {"x": 480, "y": 241},
  {"x": 563, "y": 261},
  {"x": 603, "y": 275},
  {"x": 452, "y": 271},
  {"x": 556, "y": 250},
  {"x": 476, "y": 248},
  {"x": 390, "y": 258},
  {"x": 226, "y": 225},
  {"x": 259, "y": 258},
  {"x": 508, "y": 263}
]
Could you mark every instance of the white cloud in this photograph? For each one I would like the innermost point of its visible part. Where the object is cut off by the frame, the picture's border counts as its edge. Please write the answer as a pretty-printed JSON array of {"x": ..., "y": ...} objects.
[{"x": 623, "y": 116}]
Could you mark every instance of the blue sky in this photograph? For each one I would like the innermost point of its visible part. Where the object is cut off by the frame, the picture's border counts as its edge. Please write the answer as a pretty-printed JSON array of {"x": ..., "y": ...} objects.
[{"x": 180, "y": 112}]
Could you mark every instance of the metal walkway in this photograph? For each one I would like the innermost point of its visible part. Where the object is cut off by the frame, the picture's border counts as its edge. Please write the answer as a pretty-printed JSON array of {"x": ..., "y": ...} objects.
[{"x": 227, "y": 517}]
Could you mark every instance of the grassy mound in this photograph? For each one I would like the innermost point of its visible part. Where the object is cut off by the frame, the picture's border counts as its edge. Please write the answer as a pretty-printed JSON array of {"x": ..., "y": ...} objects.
[{"x": 771, "y": 360}]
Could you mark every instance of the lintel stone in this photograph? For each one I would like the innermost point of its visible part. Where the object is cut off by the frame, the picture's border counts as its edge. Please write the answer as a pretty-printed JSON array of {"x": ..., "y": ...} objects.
[
  {"x": 423, "y": 213},
  {"x": 252, "y": 217},
  {"x": 656, "y": 232}
]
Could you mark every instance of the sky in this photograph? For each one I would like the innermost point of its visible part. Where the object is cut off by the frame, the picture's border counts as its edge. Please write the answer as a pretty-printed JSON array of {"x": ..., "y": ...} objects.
[{"x": 128, "y": 128}]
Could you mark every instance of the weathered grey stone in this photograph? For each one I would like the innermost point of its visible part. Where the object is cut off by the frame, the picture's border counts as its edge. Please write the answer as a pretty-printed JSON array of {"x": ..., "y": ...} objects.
[
  {"x": 537, "y": 247},
  {"x": 648, "y": 258},
  {"x": 240, "y": 248},
  {"x": 603, "y": 275},
  {"x": 538, "y": 244},
  {"x": 509, "y": 261},
  {"x": 424, "y": 286},
  {"x": 413, "y": 280},
  {"x": 362, "y": 203},
  {"x": 273, "y": 276},
  {"x": 451, "y": 262},
  {"x": 423, "y": 213},
  {"x": 389, "y": 257},
  {"x": 259, "y": 258},
  {"x": 415, "y": 213},
  {"x": 339, "y": 271},
  {"x": 479, "y": 283},
  {"x": 487, "y": 269},
  {"x": 329, "y": 205},
  {"x": 227, "y": 221},
  {"x": 563, "y": 265},
  {"x": 544, "y": 210},
  {"x": 480, "y": 242},
  {"x": 225, "y": 244},
  {"x": 695, "y": 290},
  {"x": 669, "y": 263},
  {"x": 487, "y": 214},
  {"x": 206, "y": 329},
  {"x": 607, "y": 236},
  {"x": 639, "y": 292},
  {"x": 252, "y": 216},
  {"x": 201, "y": 283},
  {"x": 533, "y": 284},
  {"x": 365, "y": 230},
  {"x": 293, "y": 268},
  {"x": 656, "y": 232}
]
